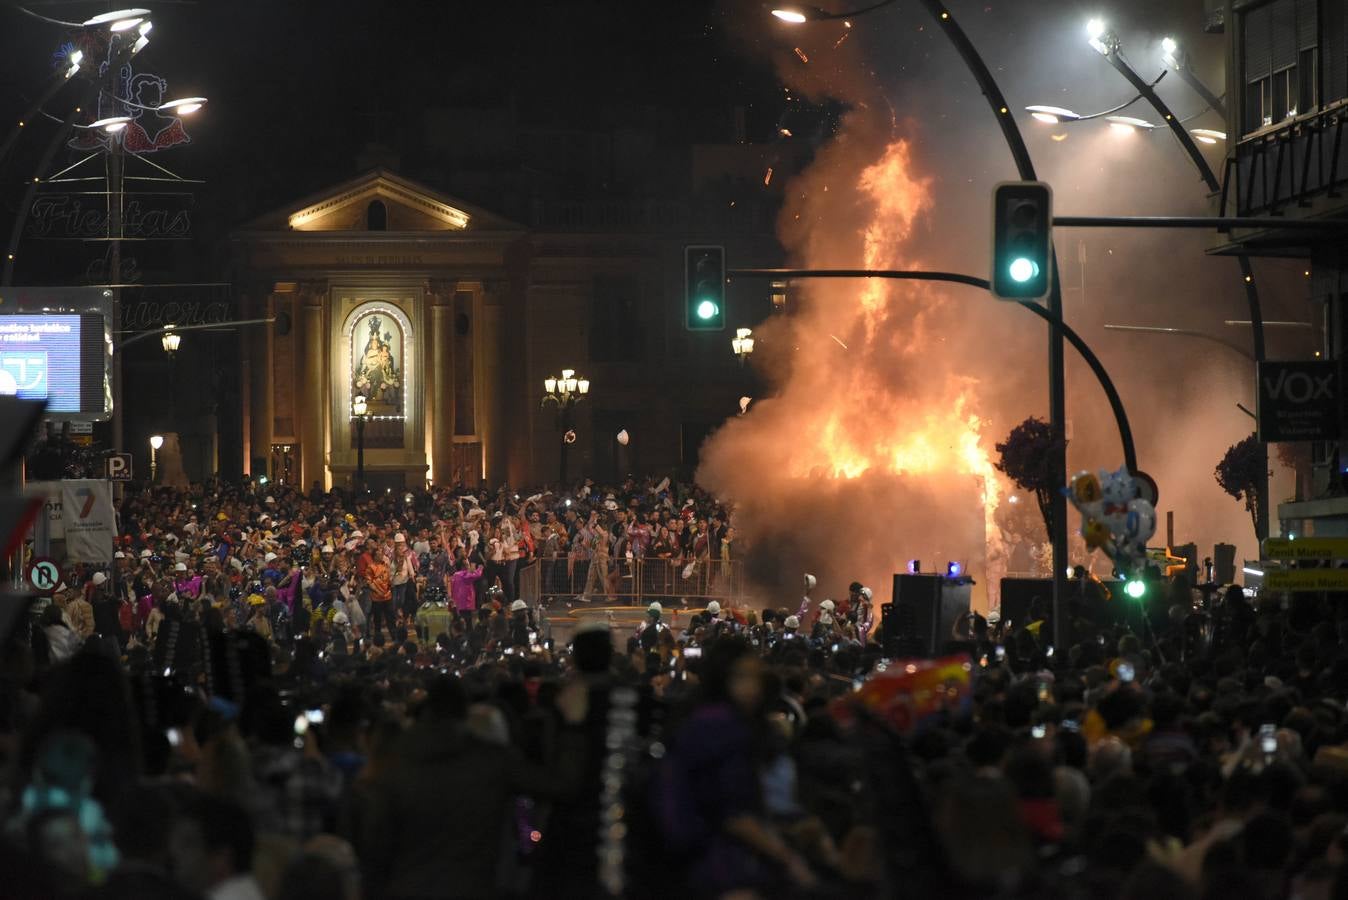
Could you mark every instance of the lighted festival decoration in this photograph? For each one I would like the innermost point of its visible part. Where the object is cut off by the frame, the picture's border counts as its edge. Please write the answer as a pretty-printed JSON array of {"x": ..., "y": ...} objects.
[
  {"x": 140, "y": 96},
  {"x": 1114, "y": 518}
]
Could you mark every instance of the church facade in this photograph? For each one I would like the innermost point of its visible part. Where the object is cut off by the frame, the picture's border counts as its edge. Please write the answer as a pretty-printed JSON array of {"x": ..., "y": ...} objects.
[{"x": 445, "y": 318}]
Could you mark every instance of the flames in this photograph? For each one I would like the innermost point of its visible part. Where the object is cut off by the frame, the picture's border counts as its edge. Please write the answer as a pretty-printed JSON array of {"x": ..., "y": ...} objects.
[
  {"x": 873, "y": 386},
  {"x": 924, "y": 431}
]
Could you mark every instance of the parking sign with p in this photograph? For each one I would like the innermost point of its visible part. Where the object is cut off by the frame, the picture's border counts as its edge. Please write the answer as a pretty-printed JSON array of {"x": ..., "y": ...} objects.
[{"x": 119, "y": 467}]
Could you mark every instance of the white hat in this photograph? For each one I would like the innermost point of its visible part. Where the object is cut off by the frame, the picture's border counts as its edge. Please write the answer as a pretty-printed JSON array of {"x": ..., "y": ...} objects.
[
  {"x": 810, "y": 582},
  {"x": 328, "y": 548},
  {"x": 269, "y": 557},
  {"x": 270, "y": 500},
  {"x": 827, "y": 606},
  {"x": 610, "y": 505},
  {"x": 825, "y": 618},
  {"x": 792, "y": 622},
  {"x": 341, "y": 619},
  {"x": 865, "y": 593},
  {"x": 518, "y": 605},
  {"x": 357, "y": 534},
  {"x": 994, "y": 617},
  {"x": 714, "y": 608},
  {"x": 99, "y": 578},
  {"x": 655, "y": 607},
  {"x": 399, "y": 539},
  {"x": 170, "y": 537},
  {"x": 301, "y": 543},
  {"x": 180, "y": 567},
  {"x": 119, "y": 555},
  {"x": 146, "y": 554}
]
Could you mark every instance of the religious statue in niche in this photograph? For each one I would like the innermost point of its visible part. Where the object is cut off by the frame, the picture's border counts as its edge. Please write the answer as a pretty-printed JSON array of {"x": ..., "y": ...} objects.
[{"x": 375, "y": 365}]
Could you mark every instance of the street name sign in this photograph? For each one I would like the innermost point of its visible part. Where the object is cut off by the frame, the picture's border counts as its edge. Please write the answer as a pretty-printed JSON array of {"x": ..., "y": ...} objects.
[
  {"x": 1302, "y": 580},
  {"x": 1299, "y": 401},
  {"x": 1306, "y": 548}
]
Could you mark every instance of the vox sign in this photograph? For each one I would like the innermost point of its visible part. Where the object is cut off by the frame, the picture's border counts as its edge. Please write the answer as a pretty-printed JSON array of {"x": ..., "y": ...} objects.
[{"x": 1300, "y": 401}]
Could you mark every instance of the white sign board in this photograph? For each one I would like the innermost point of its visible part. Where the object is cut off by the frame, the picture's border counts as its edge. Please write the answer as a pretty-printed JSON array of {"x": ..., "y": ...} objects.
[{"x": 89, "y": 519}]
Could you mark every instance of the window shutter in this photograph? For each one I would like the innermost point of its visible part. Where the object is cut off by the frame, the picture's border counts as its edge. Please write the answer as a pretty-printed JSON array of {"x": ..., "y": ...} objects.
[
  {"x": 1258, "y": 57},
  {"x": 1284, "y": 28}
]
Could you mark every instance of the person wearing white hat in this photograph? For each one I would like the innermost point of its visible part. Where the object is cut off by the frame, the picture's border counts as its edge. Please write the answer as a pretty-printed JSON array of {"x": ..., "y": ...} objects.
[
  {"x": 99, "y": 579},
  {"x": 180, "y": 567},
  {"x": 119, "y": 555},
  {"x": 792, "y": 625},
  {"x": 269, "y": 557},
  {"x": 518, "y": 606},
  {"x": 648, "y": 632},
  {"x": 146, "y": 554}
]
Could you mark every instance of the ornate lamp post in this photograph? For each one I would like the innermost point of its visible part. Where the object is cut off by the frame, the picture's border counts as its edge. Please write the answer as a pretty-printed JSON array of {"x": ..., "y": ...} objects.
[
  {"x": 743, "y": 344},
  {"x": 156, "y": 441},
  {"x": 171, "y": 341},
  {"x": 565, "y": 391},
  {"x": 360, "y": 412}
]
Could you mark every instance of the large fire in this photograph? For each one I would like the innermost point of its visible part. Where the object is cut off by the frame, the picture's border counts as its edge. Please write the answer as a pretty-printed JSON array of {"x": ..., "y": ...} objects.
[{"x": 872, "y": 389}]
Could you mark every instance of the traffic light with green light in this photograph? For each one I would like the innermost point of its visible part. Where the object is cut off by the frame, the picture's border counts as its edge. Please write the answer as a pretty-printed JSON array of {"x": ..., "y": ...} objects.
[
  {"x": 704, "y": 288},
  {"x": 1022, "y": 240}
]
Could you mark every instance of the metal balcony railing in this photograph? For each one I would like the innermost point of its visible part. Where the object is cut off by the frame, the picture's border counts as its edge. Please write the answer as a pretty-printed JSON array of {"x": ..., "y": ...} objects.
[{"x": 1287, "y": 167}]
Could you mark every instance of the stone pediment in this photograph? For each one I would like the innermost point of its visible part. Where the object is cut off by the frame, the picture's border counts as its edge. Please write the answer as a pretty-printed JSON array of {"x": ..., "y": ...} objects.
[{"x": 407, "y": 206}]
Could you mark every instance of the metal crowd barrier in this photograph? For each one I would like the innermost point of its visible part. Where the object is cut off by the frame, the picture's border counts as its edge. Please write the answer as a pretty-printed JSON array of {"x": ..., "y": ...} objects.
[{"x": 633, "y": 581}]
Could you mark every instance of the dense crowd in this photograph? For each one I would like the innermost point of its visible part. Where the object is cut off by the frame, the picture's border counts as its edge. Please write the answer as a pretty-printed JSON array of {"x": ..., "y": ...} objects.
[{"x": 272, "y": 694}]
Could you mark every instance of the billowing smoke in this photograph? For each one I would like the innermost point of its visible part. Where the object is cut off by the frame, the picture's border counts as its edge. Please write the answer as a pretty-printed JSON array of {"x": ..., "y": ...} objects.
[{"x": 874, "y": 445}]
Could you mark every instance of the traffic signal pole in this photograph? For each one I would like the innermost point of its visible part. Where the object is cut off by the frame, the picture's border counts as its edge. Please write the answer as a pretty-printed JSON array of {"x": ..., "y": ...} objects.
[{"x": 1057, "y": 387}]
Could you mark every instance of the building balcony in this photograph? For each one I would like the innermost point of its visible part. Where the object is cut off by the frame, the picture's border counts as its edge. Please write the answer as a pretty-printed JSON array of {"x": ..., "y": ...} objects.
[{"x": 1297, "y": 168}]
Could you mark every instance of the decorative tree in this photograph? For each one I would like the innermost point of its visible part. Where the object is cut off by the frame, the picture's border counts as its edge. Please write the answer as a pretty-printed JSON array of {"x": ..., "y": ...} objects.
[
  {"x": 1027, "y": 458},
  {"x": 1241, "y": 474}
]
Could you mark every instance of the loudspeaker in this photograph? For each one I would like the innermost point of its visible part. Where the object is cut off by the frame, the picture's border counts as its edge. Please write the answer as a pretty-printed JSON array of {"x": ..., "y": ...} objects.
[
  {"x": 1224, "y": 563},
  {"x": 923, "y": 614}
]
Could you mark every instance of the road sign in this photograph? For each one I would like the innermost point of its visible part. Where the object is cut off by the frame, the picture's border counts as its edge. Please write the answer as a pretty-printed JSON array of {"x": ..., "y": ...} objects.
[
  {"x": 43, "y": 574},
  {"x": 1299, "y": 401},
  {"x": 119, "y": 467},
  {"x": 1304, "y": 580},
  {"x": 1306, "y": 548}
]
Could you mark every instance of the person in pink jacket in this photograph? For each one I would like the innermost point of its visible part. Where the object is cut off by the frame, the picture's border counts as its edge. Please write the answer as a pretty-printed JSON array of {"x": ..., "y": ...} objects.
[{"x": 461, "y": 587}]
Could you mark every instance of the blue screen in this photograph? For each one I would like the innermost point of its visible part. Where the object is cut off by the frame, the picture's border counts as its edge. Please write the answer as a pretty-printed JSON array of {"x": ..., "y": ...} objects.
[{"x": 40, "y": 359}]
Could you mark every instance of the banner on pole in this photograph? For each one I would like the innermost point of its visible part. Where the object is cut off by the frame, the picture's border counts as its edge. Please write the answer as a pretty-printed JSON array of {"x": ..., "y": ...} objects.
[{"x": 89, "y": 519}]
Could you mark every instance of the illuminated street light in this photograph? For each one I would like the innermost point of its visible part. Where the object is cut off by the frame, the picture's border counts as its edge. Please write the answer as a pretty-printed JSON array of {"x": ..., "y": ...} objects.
[
  {"x": 111, "y": 124},
  {"x": 118, "y": 19},
  {"x": 743, "y": 343},
  {"x": 1128, "y": 124},
  {"x": 1052, "y": 115},
  {"x": 183, "y": 107},
  {"x": 1207, "y": 135},
  {"x": 1100, "y": 37},
  {"x": 74, "y": 59},
  {"x": 171, "y": 340},
  {"x": 565, "y": 391},
  {"x": 156, "y": 441},
  {"x": 791, "y": 15},
  {"x": 1170, "y": 50}
]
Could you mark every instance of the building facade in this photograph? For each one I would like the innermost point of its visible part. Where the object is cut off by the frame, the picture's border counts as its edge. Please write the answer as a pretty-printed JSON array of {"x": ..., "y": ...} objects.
[
  {"x": 446, "y": 318},
  {"x": 1287, "y": 90}
]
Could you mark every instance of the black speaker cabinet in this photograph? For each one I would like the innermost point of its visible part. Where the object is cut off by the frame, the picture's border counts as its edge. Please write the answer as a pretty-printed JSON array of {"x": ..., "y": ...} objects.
[
  {"x": 1224, "y": 563},
  {"x": 923, "y": 614}
]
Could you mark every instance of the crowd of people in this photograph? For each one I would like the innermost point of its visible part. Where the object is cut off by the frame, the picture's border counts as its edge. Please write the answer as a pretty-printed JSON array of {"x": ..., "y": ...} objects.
[{"x": 285, "y": 695}]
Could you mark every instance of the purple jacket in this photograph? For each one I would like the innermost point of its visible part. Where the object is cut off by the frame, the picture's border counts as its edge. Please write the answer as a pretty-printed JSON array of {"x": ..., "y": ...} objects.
[{"x": 462, "y": 591}]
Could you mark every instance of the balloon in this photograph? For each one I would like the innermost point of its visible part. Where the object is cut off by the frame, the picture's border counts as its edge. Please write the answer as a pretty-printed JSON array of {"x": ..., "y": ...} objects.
[
  {"x": 1116, "y": 489},
  {"x": 1141, "y": 520},
  {"x": 1095, "y": 533},
  {"x": 1085, "y": 488},
  {"x": 624, "y": 437}
]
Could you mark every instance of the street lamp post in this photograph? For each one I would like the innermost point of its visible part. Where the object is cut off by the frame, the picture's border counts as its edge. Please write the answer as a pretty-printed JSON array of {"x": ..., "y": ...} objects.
[
  {"x": 565, "y": 391},
  {"x": 156, "y": 441},
  {"x": 360, "y": 412},
  {"x": 1106, "y": 43},
  {"x": 743, "y": 344}
]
